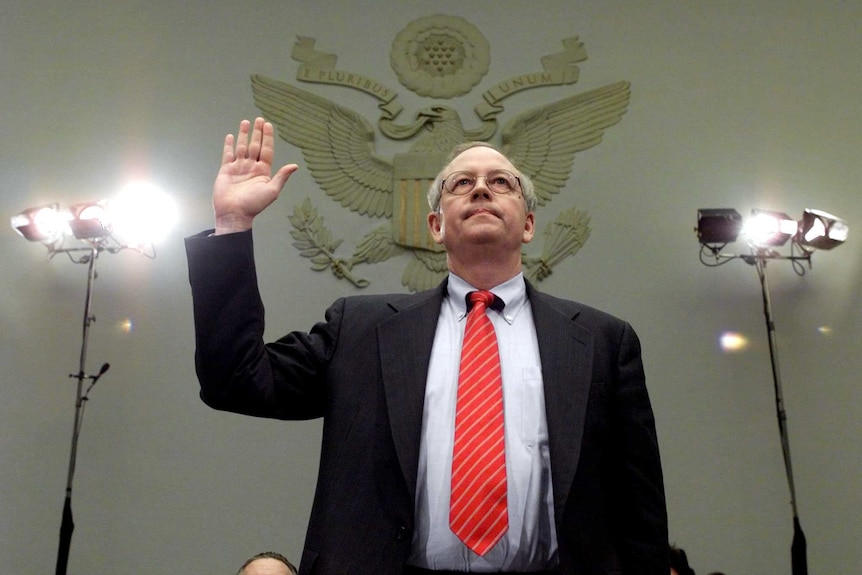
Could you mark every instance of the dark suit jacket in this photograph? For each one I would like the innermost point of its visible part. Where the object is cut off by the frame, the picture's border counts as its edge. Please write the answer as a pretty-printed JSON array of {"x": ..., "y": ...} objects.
[{"x": 363, "y": 370}]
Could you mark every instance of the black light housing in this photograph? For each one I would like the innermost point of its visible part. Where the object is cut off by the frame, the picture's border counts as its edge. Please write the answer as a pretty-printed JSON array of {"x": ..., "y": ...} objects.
[
  {"x": 718, "y": 226},
  {"x": 90, "y": 220}
]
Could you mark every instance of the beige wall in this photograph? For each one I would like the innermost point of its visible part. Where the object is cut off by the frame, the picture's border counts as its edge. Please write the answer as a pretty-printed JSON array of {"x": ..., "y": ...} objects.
[{"x": 734, "y": 104}]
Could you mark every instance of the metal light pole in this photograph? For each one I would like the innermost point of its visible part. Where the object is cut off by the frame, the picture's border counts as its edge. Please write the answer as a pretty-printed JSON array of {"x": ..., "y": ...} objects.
[
  {"x": 798, "y": 549},
  {"x": 67, "y": 525}
]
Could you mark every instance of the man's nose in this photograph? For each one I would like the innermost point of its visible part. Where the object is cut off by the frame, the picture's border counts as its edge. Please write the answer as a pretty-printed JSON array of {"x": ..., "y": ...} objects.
[{"x": 481, "y": 189}]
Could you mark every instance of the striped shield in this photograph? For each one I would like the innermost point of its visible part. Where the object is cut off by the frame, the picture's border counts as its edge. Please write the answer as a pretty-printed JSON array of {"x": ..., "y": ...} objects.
[{"x": 414, "y": 172}]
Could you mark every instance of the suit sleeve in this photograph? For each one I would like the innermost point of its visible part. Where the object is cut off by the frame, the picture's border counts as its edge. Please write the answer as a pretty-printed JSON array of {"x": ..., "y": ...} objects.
[
  {"x": 642, "y": 504},
  {"x": 236, "y": 370}
]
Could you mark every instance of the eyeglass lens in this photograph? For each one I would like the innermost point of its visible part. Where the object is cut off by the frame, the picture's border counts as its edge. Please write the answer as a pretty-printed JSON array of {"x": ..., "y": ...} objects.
[{"x": 498, "y": 181}]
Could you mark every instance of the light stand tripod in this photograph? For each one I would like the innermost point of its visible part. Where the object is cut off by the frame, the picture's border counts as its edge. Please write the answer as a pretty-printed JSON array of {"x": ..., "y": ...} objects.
[
  {"x": 68, "y": 525},
  {"x": 90, "y": 257},
  {"x": 759, "y": 258},
  {"x": 798, "y": 549}
]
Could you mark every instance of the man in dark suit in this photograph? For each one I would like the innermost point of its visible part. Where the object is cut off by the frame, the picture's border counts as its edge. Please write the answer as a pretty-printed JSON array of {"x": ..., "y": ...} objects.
[{"x": 584, "y": 493}]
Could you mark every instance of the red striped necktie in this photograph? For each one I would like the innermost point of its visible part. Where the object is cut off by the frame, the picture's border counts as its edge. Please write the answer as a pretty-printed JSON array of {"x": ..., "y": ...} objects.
[{"x": 477, "y": 509}]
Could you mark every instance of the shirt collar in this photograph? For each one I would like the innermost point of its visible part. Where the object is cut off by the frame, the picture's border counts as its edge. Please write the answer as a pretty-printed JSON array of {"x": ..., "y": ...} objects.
[{"x": 513, "y": 292}]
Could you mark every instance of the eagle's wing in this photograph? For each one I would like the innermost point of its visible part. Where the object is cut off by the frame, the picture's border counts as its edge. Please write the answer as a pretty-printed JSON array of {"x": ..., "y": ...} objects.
[
  {"x": 543, "y": 142},
  {"x": 336, "y": 142}
]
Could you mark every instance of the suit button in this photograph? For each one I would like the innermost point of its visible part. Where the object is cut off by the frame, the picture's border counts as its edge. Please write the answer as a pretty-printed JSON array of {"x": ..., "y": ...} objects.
[{"x": 403, "y": 534}]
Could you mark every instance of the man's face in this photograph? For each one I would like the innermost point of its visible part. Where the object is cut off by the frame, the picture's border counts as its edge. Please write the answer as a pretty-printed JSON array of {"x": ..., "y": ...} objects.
[
  {"x": 266, "y": 566},
  {"x": 481, "y": 217}
]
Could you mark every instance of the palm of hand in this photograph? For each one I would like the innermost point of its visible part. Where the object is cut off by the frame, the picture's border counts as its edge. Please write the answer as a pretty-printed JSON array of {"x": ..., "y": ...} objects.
[
  {"x": 243, "y": 188},
  {"x": 245, "y": 185}
]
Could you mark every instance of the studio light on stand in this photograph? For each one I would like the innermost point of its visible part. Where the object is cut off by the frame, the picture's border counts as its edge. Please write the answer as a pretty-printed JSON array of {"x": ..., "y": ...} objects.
[
  {"x": 766, "y": 233},
  {"x": 83, "y": 232}
]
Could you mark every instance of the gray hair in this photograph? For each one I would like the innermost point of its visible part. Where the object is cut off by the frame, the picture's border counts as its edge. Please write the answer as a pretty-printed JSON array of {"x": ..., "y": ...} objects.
[
  {"x": 268, "y": 555},
  {"x": 435, "y": 191}
]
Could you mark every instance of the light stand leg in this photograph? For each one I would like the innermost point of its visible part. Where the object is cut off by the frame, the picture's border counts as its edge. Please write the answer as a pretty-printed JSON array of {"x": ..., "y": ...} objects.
[
  {"x": 67, "y": 526},
  {"x": 798, "y": 549}
]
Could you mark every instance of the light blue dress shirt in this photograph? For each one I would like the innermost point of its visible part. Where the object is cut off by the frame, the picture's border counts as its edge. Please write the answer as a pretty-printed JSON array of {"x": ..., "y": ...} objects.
[{"x": 530, "y": 544}]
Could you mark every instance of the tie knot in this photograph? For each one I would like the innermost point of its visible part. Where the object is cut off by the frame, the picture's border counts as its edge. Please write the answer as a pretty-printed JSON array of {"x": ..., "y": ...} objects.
[{"x": 483, "y": 297}]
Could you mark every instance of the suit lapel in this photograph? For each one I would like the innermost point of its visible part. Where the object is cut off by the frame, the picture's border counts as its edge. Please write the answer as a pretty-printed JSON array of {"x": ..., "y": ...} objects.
[
  {"x": 566, "y": 351},
  {"x": 405, "y": 342}
]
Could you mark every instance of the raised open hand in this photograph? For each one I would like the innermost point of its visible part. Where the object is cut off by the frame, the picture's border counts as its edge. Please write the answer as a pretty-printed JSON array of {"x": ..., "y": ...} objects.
[{"x": 245, "y": 185}]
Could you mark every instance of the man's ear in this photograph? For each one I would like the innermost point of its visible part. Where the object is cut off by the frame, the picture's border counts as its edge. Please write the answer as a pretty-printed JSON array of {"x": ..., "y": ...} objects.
[
  {"x": 529, "y": 228},
  {"x": 435, "y": 226}
]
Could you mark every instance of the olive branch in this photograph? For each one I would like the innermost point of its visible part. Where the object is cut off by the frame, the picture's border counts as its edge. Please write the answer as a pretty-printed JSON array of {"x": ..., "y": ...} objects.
[{"x": 314, "y": 241}]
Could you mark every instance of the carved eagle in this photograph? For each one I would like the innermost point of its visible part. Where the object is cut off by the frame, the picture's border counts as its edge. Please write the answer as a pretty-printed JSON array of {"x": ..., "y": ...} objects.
[{"x": 338, "y": 147}]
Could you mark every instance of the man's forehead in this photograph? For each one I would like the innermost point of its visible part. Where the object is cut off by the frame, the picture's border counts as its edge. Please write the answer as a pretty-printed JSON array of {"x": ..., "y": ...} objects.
[
  {"x": 479, "y": 158},
  {"x": 266, "y": 566}
]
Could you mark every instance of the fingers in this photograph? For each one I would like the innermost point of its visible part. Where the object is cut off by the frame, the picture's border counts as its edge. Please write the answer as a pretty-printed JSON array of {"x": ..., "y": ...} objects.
[
  {"x": 257, "y": 138},
  {"x": 282, "y": 175},
  {"x": 257, "y": 144},
  {"x": 250, "y": 143},
  {"x": 267, "y": 141},
  {"x": 227, "y": 152},
  {"x": 242, "y": 140}
]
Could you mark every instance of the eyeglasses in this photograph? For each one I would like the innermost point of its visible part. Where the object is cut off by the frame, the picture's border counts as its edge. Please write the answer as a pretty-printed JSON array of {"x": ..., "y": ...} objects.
[{"x": 500, "y": 182}]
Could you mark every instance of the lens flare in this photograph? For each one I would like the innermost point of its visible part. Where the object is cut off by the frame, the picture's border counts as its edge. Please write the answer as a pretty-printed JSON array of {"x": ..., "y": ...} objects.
[
  {"x": 142, "y": 213},
  {"x": 732, "y": 342},
  {"x": 125, "y": 325}
]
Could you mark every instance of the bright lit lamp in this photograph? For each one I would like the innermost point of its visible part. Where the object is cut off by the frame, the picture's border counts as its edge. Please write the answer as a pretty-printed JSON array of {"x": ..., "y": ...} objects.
[
  {"x": 821, "y": 230},
  {"x": 767, "y": 228},
  {"x": 141, "y": 213},
  {"x": 765, "y": 232},
  {"x": 137, "y": 217},
  {"x": 44, "y": 224}
]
